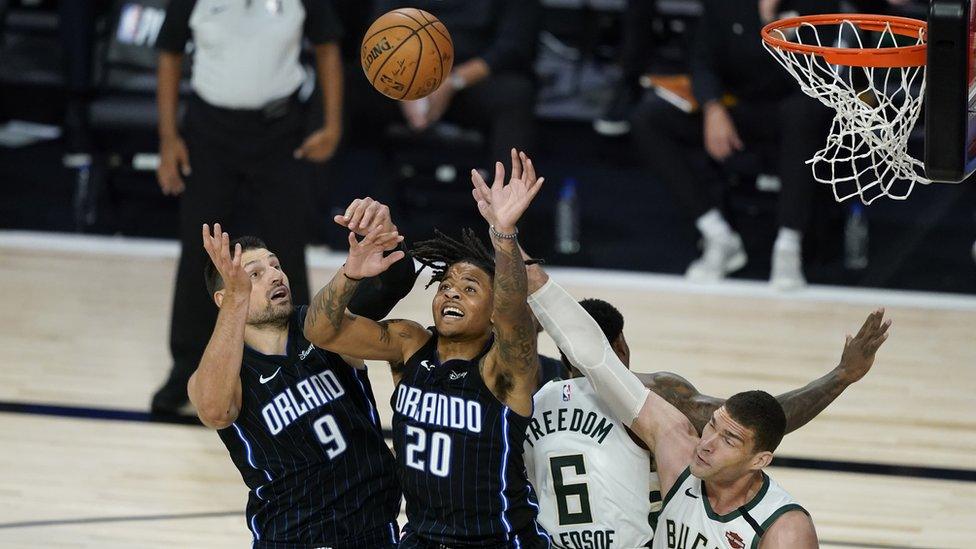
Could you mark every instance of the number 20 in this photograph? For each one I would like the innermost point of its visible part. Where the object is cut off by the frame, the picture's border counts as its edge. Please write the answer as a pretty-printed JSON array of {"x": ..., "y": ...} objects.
[{"x": 440, "y": 451}]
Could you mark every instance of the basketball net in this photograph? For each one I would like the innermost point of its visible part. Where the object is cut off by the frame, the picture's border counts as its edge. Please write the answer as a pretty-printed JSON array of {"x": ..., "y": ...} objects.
[{"x": 876, "y": 107}]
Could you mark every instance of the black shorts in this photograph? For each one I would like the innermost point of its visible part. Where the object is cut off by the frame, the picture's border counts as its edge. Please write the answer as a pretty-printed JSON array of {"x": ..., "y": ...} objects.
[
  {"x": 531, "y": 536},
  {"x": 380, "y": 538}
]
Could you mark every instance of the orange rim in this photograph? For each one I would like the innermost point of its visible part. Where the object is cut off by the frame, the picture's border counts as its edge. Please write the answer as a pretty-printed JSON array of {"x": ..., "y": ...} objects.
[{"x": 902, "y": 56}]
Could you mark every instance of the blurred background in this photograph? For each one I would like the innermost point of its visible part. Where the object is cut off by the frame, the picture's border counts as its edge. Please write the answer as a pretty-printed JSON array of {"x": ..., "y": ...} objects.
[{"x": 79, "y": 148}]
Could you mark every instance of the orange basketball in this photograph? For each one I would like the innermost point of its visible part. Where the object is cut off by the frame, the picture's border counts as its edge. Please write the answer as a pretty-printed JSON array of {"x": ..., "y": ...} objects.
[{"x": 407, "y": 53}]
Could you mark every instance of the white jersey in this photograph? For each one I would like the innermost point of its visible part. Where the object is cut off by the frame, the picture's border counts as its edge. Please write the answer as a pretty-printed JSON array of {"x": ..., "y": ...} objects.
[
  {"x": 595, "y": 486},
  {"x": 688, "y": 519}
]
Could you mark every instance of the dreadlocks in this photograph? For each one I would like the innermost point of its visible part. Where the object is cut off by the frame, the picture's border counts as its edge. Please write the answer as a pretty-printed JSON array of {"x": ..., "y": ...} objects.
[{"x": 442, "y": 251}]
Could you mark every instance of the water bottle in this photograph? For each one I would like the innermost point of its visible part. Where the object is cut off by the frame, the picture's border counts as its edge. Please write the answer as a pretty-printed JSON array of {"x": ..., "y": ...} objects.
[
  {"x": 84, "y": 206},
  {"x": 567, "y": 218},
  {"x": 856, "y": 238}
]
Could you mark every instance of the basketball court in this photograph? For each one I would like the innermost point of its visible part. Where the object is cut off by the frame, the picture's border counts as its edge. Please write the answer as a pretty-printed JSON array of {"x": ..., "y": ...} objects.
[
  {"x": 84, "y": 339},
  {"x": 889, "y": 465}
]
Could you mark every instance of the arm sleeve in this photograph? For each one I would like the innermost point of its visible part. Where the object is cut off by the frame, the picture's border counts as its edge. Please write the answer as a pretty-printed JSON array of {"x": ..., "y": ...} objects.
[
  {"x": 518, "y": 24},
  {"x": 175, "y": 32},
  {"x": 706, "y": 83},
  {"x": 579, "y": 337},
  {"x": 376, "y": 296},
  {"x": 321, "y": 22}
]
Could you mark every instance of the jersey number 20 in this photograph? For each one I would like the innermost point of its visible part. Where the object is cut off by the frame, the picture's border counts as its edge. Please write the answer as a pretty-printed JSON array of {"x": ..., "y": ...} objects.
[
  {"x": 438, "y": 461},
  {"x": 564, "y": 491}
]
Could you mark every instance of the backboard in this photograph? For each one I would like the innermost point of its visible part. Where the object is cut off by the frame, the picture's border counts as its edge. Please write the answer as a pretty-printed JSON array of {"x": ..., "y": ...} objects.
[{"x": 950, "y": 95}]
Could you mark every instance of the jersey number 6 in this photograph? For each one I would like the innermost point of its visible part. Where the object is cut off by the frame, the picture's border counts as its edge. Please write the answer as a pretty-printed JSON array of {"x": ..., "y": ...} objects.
[{"x": 564, "y": 491}]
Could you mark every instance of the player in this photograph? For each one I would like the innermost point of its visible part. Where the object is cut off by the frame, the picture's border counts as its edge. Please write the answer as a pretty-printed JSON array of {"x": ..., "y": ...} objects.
[
  {"x": 300, "y": 423},
  {"x": 575, "y": 448},
  {"x": 463, "y": 397},
  {"x": 717, "y": 493}
]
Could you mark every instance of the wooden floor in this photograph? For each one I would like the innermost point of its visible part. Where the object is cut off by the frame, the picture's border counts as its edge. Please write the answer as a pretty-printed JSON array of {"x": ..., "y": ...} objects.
[{"x": 84, "y": 323}]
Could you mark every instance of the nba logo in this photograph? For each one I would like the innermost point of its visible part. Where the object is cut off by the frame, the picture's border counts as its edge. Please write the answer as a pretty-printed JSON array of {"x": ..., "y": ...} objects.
[
  {"x": 129, "y": 23},
  {"x": 139, "y": 25},
  {"x": 567, "y": 392}
]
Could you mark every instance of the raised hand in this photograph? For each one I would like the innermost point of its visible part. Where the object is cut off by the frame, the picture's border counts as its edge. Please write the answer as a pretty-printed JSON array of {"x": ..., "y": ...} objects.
[
  {"x": 366, "y": 256},
  {"x": 503, "y": 205},
  {"x": 364, "y": 214},
  {"x": 217, "y": 244},
  {"x": 859, "y": 350}
]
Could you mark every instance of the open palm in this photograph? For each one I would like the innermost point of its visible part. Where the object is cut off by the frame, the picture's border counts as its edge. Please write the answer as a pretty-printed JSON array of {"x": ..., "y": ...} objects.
[
  {"x": 366, "y": 257},
  {"x": 503, "y": 205},
  {"x": 226, "y": 260}
]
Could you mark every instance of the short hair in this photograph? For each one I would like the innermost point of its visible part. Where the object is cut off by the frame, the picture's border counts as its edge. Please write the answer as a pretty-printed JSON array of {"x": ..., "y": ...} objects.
[
  {"x": 607, "y": 316},
  {"x": 210, "y": 273},
  {"x": 442, "y": 251},
  {"x": 762, "y": 414}
]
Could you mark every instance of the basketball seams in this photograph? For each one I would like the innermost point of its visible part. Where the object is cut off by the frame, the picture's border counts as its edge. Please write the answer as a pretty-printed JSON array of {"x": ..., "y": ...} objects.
[
  {"x": 433, "y": 21},
  {"x": 384, "y": 29},
  {"x": 424, "y": 27},
  {"x": 416, "y": 68},
  {"x": 427, "y": 23},
  {"x": 392, "y": 53},
  {"x": 430, "y": 23}
]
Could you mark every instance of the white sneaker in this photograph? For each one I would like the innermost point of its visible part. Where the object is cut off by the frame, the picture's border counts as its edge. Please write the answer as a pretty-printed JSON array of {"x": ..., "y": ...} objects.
[
  {"x": 787, "y": 272},
  {"x": 722, "y": 256}
]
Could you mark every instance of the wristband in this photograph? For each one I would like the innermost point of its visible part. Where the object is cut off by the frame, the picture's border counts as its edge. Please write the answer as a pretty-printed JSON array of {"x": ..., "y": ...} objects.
[
  {"x": 496, "y": 234},
  {"x": 347, "y": 276}
]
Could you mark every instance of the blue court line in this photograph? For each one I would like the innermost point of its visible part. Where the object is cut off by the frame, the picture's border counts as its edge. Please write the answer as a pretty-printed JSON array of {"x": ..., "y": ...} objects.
[
  {"x": 884, "y": 469},
  {"x": 97, "y": 520},
  {"x": 94, "y": 413}
]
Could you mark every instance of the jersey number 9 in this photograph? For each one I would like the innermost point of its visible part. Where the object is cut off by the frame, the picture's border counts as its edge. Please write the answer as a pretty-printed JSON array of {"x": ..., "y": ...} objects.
[{"x": 329, "y": 435}]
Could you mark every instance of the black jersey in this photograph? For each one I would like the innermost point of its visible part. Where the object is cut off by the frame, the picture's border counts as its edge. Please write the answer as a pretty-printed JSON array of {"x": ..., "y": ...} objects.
[
  {"x": 308, "y": 444},
  {"x": 460, "y": 455}
]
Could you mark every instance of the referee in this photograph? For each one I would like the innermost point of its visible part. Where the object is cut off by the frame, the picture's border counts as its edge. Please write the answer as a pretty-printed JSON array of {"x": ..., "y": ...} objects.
[{"x": 241, "y": 156}]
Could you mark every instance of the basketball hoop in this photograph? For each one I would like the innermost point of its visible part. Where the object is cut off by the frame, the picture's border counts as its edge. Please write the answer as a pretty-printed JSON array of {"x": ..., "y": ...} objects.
[{"x": 875, "y": 89}]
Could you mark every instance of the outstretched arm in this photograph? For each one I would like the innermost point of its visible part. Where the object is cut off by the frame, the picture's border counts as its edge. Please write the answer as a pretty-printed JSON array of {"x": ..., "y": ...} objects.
[
  {"x": 378, "y": 295},
  {"x": 215, "y": 386},
  {"x": 513, "y": 360},
  {"x": 665, "y": 430},
  {"x": 801, "y": 405},
  {"x": 329, "y": 325}
]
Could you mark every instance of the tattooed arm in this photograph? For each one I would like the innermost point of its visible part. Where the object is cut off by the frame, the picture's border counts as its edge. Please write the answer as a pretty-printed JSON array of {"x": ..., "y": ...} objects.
[
  {"x": 513, "y": 360},
  {"x": 681, "y": 394},
  {"x": 511, "y": 368},
  {"x": 801, "y": 405},
  {"x": 329, "y": 325}
]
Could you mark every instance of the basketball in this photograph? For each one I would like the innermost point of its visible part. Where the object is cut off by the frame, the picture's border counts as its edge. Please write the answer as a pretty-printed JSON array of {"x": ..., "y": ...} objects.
[{"x": 407, "y": 53}]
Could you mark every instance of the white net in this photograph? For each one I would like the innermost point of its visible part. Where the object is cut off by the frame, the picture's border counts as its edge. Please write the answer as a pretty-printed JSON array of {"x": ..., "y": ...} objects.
[{"x": 877, "y": 107}]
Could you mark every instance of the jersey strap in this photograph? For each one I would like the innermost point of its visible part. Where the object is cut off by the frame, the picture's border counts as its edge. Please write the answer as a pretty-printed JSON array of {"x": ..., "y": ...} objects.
[
  {"x": 761, "y": 529},
  {"x": 676, "y": 486}
]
